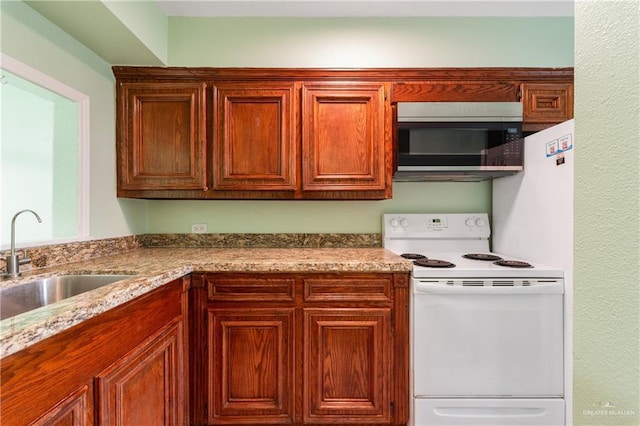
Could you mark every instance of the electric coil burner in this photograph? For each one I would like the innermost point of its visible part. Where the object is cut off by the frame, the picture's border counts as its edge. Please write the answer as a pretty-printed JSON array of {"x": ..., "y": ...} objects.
[
  {"x": 513, "y": 263},
  {"x": 481, "y": 256},
  {"x": 413, "y": 256},
  {"x": 434, "y": 263}
]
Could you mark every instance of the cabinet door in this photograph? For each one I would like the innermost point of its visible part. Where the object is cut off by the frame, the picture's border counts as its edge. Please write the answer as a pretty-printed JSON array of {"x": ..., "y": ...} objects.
[
  {"x": 161, "y": 137},
  {"x": 146, "y": 386},
  {"x": 343, "y": 137},
  {"x": 347, "y": 364},
  {"x": 251, "y": 354},
  {"x": 547, "y": 102},
  {"x": 72, "y": 411},
  {"x": 254, "y": 147}
]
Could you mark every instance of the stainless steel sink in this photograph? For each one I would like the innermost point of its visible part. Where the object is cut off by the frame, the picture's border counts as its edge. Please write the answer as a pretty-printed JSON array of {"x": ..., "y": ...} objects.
[{"x": 27, "y": 296}]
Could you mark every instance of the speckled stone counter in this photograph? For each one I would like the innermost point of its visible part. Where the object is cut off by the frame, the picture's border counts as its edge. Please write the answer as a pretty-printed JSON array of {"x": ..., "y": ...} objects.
[{"x": 154, "y": 267}]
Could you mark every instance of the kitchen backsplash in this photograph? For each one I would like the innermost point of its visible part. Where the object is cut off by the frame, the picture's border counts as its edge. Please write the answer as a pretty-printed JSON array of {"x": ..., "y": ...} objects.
[
  {"x": 58, "y": 254},
  {"x": 261, "y": 240}
]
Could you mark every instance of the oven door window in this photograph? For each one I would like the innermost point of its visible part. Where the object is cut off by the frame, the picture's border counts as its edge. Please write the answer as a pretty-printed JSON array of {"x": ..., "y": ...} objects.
[{"x": 457, "y": 144}]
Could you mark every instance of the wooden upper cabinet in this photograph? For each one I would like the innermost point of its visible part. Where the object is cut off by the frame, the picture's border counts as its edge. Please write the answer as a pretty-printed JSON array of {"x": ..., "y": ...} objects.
[
  {"x": 454, "y": 91},
  {"x": 161, "y": 137},
  {"x": 343, "y": 137},
  {"x": 547, "y": 102},
  {"x": 254, "y": 144}
]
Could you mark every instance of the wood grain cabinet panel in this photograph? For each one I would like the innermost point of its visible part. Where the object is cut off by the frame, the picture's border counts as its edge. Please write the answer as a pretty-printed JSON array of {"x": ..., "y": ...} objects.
[
  {"x": 267, "y": 288},
  {"x": 343, "y": 137},
  {"x": 146, "y": 386},
  {"x": 161, "y": 137},
  {"x": 333, "y": 289},
  {"x": 251, "y": 354},
  {"x": 547, "y": 102},
  {"x": 454, "y": 91},
  {"x": 255, "y": 146},
  {"x": 71, "y": 411},
  {"x": 347, "y": 366}
]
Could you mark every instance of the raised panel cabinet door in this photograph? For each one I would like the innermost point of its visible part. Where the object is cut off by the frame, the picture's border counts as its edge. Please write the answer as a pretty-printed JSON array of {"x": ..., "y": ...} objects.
[
  {"x": 254, "y": 146},
  {"x": 162, "y": 136},
  {"x": 347, "y": 365},
  {"x": 146, "y": 386},
  {"x": 547, "y": 102},
  {"x": 252, "y": 358},
  {"x": 343, "y": 137},
  {"x": 72, "y": 411}
]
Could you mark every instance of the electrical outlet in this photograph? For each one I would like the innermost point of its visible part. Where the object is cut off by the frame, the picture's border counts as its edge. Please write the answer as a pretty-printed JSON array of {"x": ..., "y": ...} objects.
[{"x": 198, "y": 228}]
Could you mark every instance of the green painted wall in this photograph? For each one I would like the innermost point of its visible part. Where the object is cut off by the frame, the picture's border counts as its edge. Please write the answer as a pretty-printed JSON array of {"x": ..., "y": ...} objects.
[
  {"x": 607, "y": 214},
  {"x": 146, "y": 21},
  {"x": 316, "y": 216},
  {"x": 371, "y": 42}
]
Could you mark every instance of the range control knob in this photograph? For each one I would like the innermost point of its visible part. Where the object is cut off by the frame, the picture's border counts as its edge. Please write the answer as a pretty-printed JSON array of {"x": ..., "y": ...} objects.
[
  {"x": 404, "y": 223},
  {"x": 480, "y": 222},
  {"x": 470, "y": 222},
  {"x": 395, "y": 222}
]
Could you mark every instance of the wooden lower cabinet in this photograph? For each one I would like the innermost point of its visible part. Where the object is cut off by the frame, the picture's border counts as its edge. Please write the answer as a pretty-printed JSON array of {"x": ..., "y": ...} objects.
[
  {"x": 126, "y": 366},
  {"x": 299, "y": 349},
  {"x": 71, "y": 411},
  {"x": 251, "y": 359},
  {"x": 347, "y": 365},
  {"x": 146, "y": 386}
]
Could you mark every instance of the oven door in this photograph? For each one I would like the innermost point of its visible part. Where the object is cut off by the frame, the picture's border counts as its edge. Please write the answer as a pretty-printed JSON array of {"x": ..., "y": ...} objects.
[{"x": 487, "y": 341}]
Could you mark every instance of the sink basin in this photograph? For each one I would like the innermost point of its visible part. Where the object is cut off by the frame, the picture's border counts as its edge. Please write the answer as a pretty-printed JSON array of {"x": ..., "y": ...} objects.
[{"x": 25, "y": 297}]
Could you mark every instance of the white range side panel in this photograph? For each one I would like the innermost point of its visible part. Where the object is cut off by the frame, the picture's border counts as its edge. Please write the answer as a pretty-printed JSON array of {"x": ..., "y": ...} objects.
[
  {"x": 533, "y": 210},
  {"x": 533, "y": 217}
]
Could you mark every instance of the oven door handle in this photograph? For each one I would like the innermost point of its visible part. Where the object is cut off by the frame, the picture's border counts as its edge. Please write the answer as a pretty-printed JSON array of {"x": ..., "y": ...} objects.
[{"x": 442, "y": 287}]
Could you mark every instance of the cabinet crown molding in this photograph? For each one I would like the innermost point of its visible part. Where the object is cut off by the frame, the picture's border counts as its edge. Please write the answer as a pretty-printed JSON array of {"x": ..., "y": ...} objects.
[{"x": 394, "y": 75}]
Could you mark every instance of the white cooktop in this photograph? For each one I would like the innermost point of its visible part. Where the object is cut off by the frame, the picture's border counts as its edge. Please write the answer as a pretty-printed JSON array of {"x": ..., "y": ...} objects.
[
  {"x": 470, "y": 268},
  {"x": 448, "y": 237}
]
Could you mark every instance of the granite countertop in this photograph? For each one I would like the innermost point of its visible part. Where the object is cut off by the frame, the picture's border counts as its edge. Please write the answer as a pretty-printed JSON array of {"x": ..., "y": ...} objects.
[{"x": 154, "y": 267}]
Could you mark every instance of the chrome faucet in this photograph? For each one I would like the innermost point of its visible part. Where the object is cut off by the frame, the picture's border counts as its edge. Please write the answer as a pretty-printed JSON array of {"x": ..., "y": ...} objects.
[{"x": 12, "y": 261}]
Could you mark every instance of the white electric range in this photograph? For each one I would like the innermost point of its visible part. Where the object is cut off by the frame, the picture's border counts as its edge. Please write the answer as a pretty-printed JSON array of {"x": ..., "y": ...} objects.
[{"x": 486, "y": 329}]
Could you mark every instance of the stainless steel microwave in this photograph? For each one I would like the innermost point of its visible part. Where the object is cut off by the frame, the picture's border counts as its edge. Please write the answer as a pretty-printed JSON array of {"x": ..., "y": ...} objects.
[{"x": 459, "y": 141}]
